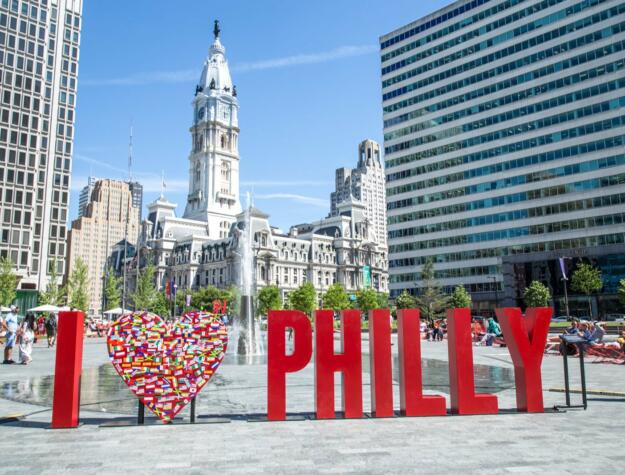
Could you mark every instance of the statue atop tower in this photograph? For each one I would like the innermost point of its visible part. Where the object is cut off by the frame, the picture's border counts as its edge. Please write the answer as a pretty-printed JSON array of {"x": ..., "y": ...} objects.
[{"x": 214, "y": 159}]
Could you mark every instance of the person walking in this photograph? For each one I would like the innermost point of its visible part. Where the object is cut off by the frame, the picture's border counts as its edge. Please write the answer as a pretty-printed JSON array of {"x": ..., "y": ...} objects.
[
  {"x": 26, "y": 338},
  {"x": 10, "y": 325},
  {"x": 51, "y": 326}
]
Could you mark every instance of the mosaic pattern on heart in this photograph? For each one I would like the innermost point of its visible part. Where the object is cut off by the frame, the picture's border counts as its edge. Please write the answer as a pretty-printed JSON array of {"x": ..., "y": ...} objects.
[{"x": 166, "y": 365}]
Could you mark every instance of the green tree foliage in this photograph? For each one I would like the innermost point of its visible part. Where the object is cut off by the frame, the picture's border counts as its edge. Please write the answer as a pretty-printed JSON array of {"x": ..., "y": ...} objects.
[
  {"x": 8, "y": 282},
  {"x": 366, "y": 299},
  {"x": 161, "y": 306},
  {"x": 78, "y": 286},
  {"x": 112, "y": 290},
  {"x": 145, "y": 293},
  {"x": 382, "y": 299},
  {"x": 405, "y": 300},
  {"x": 460, "y": 298},
  {"x": 621, "y": 292},
  {"x": 202, "y": 299},
  {"x": 269, "y": 299},
  {"x": 431, "y": 300},
  {"x": 537, "y": 295},
  {"x": 304, "y": 298},
  {"x": 336, "y": 298},
  {"x": 586, "y": 280},
  {"x": 54, "y": 293}
]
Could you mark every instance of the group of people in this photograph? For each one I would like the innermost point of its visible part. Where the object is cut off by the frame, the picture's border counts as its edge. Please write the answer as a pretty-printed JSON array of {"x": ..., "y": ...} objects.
[
  {"x": 25, "y": 334},
  {"x": 593, "y": 333}
]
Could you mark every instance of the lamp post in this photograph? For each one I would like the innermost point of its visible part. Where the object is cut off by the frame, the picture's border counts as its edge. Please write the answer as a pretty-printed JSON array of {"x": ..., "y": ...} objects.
[{"x": 565, "y": 280}]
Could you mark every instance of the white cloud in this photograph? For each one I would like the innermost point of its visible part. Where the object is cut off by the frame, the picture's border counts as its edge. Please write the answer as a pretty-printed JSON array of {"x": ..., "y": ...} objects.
[
  {"x": 313, "y": 58},
  {"x": 269, "y": 183},
  {"x": 309, "y": 200},
  {"x": 189, "y": 75}
]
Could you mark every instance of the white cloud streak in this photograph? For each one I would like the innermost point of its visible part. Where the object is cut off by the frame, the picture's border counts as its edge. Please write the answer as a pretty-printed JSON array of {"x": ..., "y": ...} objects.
[
  {"x": 270, "y": 183},
  {"x": 189, "y": 75},
  {"x": 309, "y": 200}
]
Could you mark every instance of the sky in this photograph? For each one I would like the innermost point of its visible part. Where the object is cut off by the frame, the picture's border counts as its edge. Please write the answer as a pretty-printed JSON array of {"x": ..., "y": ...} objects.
[{"x": 308, "y": 81}]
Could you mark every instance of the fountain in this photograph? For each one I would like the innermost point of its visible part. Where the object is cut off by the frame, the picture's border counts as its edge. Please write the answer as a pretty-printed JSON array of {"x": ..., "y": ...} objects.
[{"x": 245, "y": 334}]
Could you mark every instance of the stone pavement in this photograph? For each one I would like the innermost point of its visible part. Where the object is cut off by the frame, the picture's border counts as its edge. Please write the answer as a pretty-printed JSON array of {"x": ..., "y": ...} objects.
[{"x": 572, "y": 442}]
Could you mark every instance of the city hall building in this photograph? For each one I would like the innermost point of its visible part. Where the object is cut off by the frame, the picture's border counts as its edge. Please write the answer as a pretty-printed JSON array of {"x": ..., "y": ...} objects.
[
  {"x": 203, "y": 246},
  {"x": 504, "y": 141}
]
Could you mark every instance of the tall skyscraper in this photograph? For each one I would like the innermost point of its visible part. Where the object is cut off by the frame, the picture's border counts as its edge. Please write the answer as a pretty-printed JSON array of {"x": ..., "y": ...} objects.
[
  {"x": 85, "y": 195},
  {"x": 39, "y": 49},
  {"x": 504, "y": 127},
  {"x": 366, "y": 184},
  {"x": 111, "y": 210},
  {"x": 214, "y": 160}
]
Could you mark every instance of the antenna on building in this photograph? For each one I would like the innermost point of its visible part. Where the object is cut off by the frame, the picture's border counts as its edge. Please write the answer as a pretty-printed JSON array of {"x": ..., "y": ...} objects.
[{"x": 130, "y": 155}]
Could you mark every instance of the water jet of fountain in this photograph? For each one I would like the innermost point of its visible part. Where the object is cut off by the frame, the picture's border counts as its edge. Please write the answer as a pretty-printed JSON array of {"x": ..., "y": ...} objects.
[{"x": 246, "y": 336}]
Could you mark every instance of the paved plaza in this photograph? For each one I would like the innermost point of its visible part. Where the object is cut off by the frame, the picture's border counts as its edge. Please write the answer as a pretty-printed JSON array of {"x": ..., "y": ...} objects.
[{"x": 572, "y": 442}]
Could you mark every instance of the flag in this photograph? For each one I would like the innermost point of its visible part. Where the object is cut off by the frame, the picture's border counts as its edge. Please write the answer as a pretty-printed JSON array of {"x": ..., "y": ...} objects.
[{"x": 562, "y": 268}]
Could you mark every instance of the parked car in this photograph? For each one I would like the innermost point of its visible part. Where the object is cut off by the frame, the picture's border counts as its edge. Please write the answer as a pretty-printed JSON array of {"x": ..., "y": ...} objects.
[
  {"x": 561, "y": 318},
  {"x": 615, "y": 317}
]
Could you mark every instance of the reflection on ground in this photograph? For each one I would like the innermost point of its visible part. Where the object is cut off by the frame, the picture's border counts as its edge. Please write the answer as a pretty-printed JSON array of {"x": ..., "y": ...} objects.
[{"x": 239, "y": 386}]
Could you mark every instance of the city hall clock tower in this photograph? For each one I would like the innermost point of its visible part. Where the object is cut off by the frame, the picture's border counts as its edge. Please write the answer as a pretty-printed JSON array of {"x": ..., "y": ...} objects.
[{"x": 214, "y": 158}]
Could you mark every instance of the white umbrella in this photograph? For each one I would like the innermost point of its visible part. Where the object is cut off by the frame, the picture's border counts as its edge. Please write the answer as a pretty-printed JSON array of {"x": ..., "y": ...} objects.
[
  {"x": 45, "y": 308},
  {"x": 4, "y": 309},
  {"x": 117, "y": 311}
]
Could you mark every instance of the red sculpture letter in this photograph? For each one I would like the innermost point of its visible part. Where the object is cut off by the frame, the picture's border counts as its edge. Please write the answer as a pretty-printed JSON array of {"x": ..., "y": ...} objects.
[
  {"x": 461, "y": 380},
  {"x": 381, "y": 363},
  {"x": 278, "y": 362},
  {"x": 348, "y": 362},
  {"x": 526, "y": 338},
  {"x": 412, "y": 400},
  {"x": 68, "y": 366}
]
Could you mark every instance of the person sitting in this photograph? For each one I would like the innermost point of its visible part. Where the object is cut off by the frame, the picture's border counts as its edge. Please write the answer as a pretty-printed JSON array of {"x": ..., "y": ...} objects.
[
  {"x": 493, "y": 330},
  {"x": 573, "y": 328},
  {"x": 598, "y": 333}
]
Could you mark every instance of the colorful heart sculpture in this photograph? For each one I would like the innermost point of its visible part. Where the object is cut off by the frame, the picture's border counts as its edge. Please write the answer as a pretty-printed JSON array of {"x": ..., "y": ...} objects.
[{"x": 166, "y": 365}]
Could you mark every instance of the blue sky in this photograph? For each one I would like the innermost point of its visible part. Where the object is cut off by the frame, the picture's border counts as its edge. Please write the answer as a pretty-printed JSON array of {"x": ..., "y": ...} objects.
[{"x": 308, "y": 78}]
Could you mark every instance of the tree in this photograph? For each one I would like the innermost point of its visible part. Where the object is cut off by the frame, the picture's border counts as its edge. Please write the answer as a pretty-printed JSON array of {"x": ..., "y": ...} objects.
[
  {"x": 621, "y": 292},
  {"x": 53, "y": 293},
  {"x": 202, "y": 299},
  {"x": 112, "y": 290},
  {"x": 145, "y": 294},
  {"x": 336, "y": 298},
  {"x": 366, "y": 299},
  {"x": 269, "y": 299},
  {"x": 405, "y": 300},
  {"x": 382, "y": 300},
  {"x": 537, "y": 295},
  {"x": 460, "y": 298},
  {"x": 431, "y": 300},
  {"x": 161, "y": 306},
  {"x": 78, "y": 286},
  {"x": 8, "y": 282},
  {"x": 304, "y": 298},
  {"x": 586, "y": 280}
]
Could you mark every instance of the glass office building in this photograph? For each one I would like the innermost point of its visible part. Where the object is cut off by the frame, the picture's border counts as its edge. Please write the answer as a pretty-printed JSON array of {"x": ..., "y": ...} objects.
[{"x": 504, "y": 137}]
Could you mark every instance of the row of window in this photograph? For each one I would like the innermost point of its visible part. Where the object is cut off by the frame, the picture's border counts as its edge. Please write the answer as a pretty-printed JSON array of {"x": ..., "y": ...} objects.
[
  {"x": 566, "y": 170},
  {"x": 511, "y": 198},
  {"x": 566, "y": 152},
  {"x": 500, "y": 100},
  {"x": 489, "y": 43},
  {"x": 446, "y": 273},
  {"x": 534, "y": 108},
  {"x": 524, "y": 45},
  {"x": 465, "y": 37},
  {"x": 529, "y": 76},
  {"x": 554, "y": 137},
  {"x": 570, "y": 206},
  {"x": 518, "y": 129},
  {"x": 34, "y": 10},
  {"x": 447, "y": 16},
  {"x": 510, "y": 233}
]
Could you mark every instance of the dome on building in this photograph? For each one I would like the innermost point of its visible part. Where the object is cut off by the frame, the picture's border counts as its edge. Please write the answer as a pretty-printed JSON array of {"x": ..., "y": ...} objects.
[{"x": 215, "y": 74}]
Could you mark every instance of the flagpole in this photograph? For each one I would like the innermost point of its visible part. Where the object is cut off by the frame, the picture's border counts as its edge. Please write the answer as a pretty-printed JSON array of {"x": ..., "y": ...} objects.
[{"x": 127, "y": 221}]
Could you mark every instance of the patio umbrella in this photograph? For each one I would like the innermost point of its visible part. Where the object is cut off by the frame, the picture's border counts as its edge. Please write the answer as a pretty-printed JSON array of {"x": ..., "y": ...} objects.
[
  {"x": 117, "y": 311},
  {"x": 45, "y": 308},
  {"x": 4, "y": 309}
]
